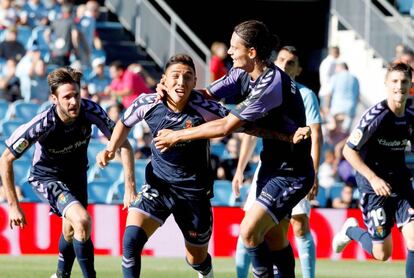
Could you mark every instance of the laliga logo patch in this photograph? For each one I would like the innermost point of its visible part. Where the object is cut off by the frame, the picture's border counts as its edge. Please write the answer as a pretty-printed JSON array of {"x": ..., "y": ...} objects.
[
  {"x": 355, "y": 137},
  {"x": 20, "y": 145},
  {"x": 188, "y": 124}
]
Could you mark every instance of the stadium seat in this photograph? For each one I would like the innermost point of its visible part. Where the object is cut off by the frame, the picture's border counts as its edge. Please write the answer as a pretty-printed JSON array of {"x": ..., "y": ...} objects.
[
  {"x": 94, "y": 147},
  {"x": 217, "y": 149},
  {"x": 29, "y": 194},
  {"x": 23, "y": 111},
  {"x": 99, "y": 192},
  {"x": 322, "y": 197},
  {"x": 239, "y": 201},
  {"x": 140, "y": 165},
  {"x": 23, "y": 35},
  {"x": 4, "y": 106},
  {"x": 118, "y": 191},
  {"x": 45, "y": 105},
  {"x": 8, "y": 127},
  {"x": 335, "y": 190},
  {"x": 222, "y": 193},
  {"x": 111, "y": 173},
  {"x": 21, "y": 171}
]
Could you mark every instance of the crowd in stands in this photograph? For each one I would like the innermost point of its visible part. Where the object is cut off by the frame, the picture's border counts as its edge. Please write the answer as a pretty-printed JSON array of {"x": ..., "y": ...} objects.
[{"x": 37, "y": 36}]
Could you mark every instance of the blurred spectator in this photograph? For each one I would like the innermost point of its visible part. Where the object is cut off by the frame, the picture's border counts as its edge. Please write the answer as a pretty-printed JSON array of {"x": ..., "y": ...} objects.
[
  {"x": 8, "y": 14},
  {"x": 98, "y": 81},
  {"x": 327, "y": 170},
  {"x": 341, "y": 97},
  {"x": 142, "y": 135},
  {"x": 228, "y": 161},
  {"x": 217, "y": 63},
  {"x": 39, "y": 89},
  {"x": 399, "y": 50},
  {"x": 87, "y": 26},
  {"x": 327, "y": 69},
  {"x": 63, "y": 37},
  {"x": 10, "y": 48},
  {"x": 139, "y": 69},
  {"x": 10, "y": 83},
  {"x": 346, "y": 199},
  {"x": 35, "y": 11},
  {"x": 125, "y": 84}
]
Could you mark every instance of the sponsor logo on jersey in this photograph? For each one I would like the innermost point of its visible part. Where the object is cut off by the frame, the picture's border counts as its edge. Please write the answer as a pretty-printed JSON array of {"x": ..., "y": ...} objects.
[
  {"x": 20, "y": 145},
  {"x": 355, "y": 137}
]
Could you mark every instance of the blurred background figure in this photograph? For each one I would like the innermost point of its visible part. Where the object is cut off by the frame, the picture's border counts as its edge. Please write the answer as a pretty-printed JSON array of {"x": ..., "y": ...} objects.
[
  {"x": 345, "y": 200},
  {"x": 218, "y": 66},
  {"x": 341, "y": 98},
  {"x": 326, "y": 70}
]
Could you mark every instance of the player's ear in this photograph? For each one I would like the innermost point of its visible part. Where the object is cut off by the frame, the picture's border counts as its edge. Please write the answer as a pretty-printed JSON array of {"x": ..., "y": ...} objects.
[
  {"x": 53, "y": 98},
  {"x": 163, "y": 78}
]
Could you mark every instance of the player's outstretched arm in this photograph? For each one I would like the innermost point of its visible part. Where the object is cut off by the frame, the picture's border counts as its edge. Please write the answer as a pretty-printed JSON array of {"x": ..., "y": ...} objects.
[
  {"x": 246, "y": 150},
  {"x": 16, "y": 215},
  {"x": 118, "y": 137},
  {"x": 127, "y": 157},
  {"x": 218, "y": 128},
  {"x": 299, "y": 135}
]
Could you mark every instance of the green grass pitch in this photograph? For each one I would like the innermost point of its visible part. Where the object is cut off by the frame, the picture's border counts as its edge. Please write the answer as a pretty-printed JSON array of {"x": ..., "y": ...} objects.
[{"x": 110, "y": 267}]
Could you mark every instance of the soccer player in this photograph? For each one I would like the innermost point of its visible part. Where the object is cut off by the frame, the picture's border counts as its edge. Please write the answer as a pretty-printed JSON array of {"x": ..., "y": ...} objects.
[
  {"x": 178, "y": 182},
  {"x": 287, "y": 60},
  {"x": 59, "y": 169},
  {"x": 272, "y": 100},
  {"x": 376, "y": 149}
]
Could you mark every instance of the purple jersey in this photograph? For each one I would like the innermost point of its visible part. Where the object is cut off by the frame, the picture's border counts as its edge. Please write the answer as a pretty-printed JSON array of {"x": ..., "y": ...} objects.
[
  {"x": 381, "y": 138},
  {"x": 186, "y": 166},
  {"x": 273, "y": 102},
  {"x": 60, "y": 149}
]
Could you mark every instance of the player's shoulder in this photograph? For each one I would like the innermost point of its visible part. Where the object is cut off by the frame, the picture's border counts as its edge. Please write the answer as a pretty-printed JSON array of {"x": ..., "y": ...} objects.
[
  {"x": 144, "y": 99},
  {"x": 375, "y": 111}
]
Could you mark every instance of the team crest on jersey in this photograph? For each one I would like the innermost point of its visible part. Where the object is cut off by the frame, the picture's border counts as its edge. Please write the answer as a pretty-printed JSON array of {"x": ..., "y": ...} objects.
[
  {"x": 188, "y": 124},
  {"x": 20, "y": 145},
  {"x": 355, "y": 137},
  {"x": 380, "y": 231},
  {"x": 62, "y": 199}
]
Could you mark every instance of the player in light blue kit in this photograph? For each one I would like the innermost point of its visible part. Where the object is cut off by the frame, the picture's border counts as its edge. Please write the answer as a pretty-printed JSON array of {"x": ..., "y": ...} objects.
[
  {"x": 376, "y": 149},
  {"x": 61, "y": 136},
  {"x": 287, "y": 60}
]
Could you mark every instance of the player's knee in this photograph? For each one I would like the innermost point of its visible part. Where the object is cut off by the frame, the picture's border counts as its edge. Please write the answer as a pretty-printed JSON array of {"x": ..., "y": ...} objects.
[
  {"x": 249, "y": 237},
  {"x": 300, "y": 225},
  {"x": 82, "y": 227},
  {"x": 68, "y": 234}
]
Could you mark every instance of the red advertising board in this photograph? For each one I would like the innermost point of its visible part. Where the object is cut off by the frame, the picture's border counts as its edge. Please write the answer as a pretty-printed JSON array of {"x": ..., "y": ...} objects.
[{"x": 43, "y": 230}]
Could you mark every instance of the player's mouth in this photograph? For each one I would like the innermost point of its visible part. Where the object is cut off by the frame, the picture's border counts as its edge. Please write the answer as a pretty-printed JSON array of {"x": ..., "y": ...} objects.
[{"x": 180, "y": 92}]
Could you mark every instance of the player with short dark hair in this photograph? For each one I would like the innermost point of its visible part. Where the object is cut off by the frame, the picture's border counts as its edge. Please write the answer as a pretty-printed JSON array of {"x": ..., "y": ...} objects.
[
  {"x": 179, "y": 181},
  {"x": 376, "y": 149},
  {"x": 61, "y": 136},
  {"x": 272, "y": 101}
]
